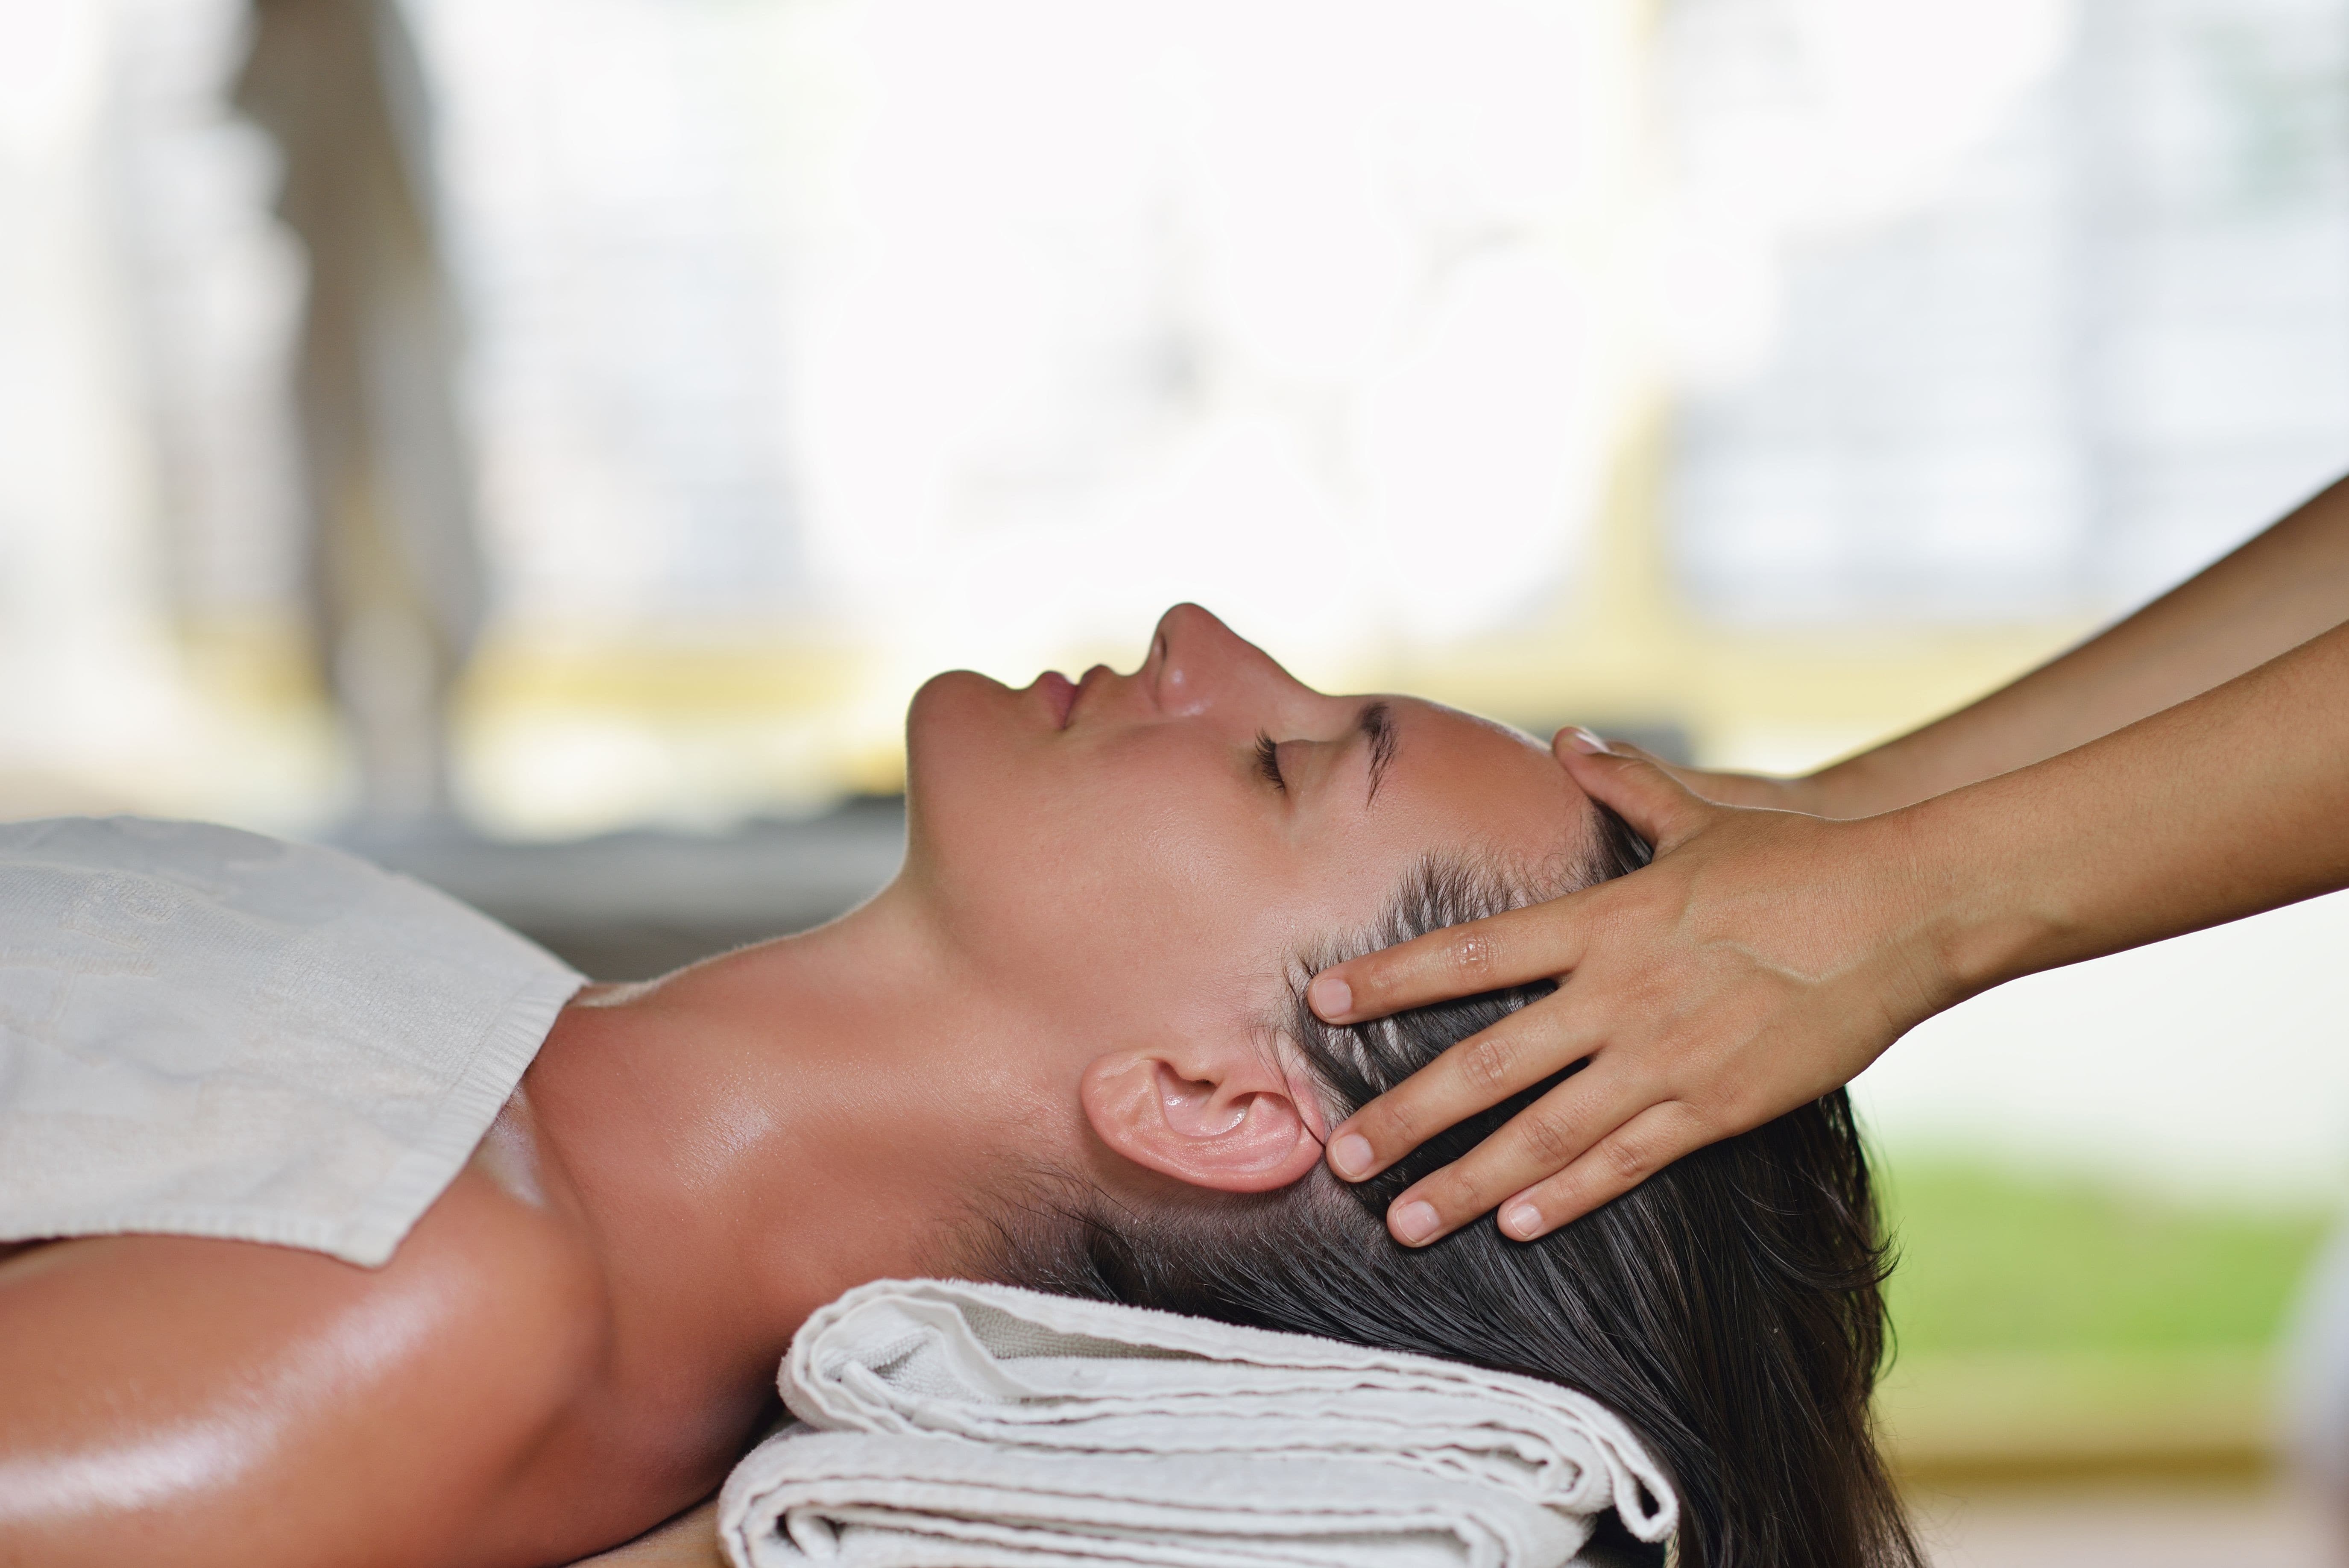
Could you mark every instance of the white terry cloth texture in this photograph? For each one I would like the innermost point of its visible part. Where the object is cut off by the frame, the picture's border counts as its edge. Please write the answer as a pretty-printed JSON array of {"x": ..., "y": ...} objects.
[
  {"x": 945, "y": 1424},
  {"x": 209, "y": 1032}
]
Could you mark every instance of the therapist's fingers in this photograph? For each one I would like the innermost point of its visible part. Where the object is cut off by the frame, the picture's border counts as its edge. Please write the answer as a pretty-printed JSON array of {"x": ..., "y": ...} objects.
[
  {"x": 1521, "y": 1050},
  {"x": 1634, "y": 785},
  {"x": 1514, "y": 948},
  {"x": 1609, "y": 1169},
  {"x": 1557, "y": 1129}
]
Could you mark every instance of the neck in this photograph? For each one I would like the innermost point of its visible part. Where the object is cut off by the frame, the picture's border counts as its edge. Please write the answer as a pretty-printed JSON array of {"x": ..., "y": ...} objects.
[{"x": 752, "y": 1136}]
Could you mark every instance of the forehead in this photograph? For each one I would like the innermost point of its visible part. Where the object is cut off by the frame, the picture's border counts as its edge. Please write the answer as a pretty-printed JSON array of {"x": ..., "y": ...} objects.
[{"x": 1460, "y": 781}]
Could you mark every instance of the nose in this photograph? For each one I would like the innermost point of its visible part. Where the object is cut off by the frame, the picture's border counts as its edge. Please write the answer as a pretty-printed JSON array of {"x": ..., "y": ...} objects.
[{"x": 1200, "y": 662}]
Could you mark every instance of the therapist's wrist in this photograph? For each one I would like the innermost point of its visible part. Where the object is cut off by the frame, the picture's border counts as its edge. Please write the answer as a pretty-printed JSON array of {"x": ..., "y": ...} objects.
[
  {"x": 1969, "y": 918},
  {"x": 1838, "y": 792},
  {"x": 1868, "y": 784}
]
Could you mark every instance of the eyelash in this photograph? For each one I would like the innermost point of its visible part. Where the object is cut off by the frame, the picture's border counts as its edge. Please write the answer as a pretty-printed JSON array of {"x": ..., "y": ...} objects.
[{"x": 1268, "y": 761}]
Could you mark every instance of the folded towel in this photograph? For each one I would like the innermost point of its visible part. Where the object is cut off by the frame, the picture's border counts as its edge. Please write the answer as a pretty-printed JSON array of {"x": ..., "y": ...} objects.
[{"x": 950, "y": 1425}]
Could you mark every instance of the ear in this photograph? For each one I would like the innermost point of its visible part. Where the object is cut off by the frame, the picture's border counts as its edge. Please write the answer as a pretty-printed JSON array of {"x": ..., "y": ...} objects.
[{"x": 1214, "y": 1115}]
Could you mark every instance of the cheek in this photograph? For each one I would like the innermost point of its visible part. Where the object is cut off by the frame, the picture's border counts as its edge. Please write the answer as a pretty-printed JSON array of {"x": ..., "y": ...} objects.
[
  {"x": 1122, "y": 876},
  {"x": 1150, "y": 842}
]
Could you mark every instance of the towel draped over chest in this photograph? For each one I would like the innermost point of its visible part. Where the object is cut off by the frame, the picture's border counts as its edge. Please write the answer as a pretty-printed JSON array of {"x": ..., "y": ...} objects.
[{"x": 209, "y": 1032}]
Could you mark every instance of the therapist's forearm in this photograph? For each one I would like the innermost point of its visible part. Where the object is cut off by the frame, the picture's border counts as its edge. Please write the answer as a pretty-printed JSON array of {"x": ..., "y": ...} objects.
[
  {"x": 2274, "y": 593},
  {"x": 2230, "y": 803}
]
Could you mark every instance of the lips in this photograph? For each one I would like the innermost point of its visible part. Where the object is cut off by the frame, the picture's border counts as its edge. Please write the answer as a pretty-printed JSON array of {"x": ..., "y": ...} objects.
[{"x": 1060, "y": 696}]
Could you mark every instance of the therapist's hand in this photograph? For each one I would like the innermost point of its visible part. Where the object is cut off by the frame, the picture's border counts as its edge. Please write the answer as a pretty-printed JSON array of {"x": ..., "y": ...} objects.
[
  {"x": 1852, "y": 788},
  {"x": 1762, "y": 961},
  {"x": 1801, "y": 794}
]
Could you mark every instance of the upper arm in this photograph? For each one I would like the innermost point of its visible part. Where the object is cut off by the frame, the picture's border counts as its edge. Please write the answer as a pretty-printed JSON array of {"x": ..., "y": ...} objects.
[{"x": 195, "y": 1401}]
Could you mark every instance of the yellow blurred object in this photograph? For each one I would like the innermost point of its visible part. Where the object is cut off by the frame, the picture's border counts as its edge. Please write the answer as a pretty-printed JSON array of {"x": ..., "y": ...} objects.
[{"x": 563, "y": 731}]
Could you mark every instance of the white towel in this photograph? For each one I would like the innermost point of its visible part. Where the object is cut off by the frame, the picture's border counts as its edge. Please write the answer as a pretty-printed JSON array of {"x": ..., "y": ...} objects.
[
  {"x": 951, "y": 1425},
  {"x": 207, "y": 1033}
]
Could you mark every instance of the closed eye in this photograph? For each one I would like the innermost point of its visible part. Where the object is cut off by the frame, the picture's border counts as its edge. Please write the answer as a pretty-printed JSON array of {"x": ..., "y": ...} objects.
[{"x": 1268, "y": 761}]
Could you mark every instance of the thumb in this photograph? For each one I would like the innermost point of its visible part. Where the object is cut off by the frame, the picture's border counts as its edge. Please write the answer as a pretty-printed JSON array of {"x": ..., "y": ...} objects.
[{"x": 1634, "y": 785}]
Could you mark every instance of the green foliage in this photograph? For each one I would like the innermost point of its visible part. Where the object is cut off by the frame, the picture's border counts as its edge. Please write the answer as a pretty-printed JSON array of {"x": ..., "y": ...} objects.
[{"x": 1993, "y": 1259}]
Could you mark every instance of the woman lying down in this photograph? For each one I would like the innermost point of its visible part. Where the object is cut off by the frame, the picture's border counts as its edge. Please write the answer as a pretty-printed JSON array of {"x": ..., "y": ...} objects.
[{"x": 538, "y": 1254}]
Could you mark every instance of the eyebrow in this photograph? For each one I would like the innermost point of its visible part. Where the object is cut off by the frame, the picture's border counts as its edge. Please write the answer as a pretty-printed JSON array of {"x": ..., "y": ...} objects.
[{"x": 1377, "y": 727}]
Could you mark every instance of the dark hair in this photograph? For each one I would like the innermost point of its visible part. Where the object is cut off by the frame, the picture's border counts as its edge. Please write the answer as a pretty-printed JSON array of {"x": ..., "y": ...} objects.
[{"x": 1729, "y": 1308}]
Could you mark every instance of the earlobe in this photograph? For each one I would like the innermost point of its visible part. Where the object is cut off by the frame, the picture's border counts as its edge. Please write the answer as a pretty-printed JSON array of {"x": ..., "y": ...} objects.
[{"x": 1232, "y": 1125}]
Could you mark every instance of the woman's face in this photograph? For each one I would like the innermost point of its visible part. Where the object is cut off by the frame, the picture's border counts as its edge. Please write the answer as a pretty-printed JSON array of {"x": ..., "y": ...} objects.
[{"x": 1143, "y": 853}]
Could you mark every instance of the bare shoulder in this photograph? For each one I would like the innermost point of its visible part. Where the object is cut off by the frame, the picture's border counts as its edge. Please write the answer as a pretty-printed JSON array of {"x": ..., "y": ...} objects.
[{"x": 175, "y": 1399}]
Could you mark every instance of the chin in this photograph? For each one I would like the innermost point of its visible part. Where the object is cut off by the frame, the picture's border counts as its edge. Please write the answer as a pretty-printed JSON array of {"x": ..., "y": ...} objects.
[
  {"x": 959, "y": 733},
  {"x": 953, "y": 719}
]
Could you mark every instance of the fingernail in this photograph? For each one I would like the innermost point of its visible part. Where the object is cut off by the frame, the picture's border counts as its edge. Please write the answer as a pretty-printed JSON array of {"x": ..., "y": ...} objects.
[
  {"x": 1412, "y": 1222},
  {"x": 1350, "y": 1156},
  {"x": 1330, "y": 997},
  {"x": 1583, "y": 741},
  {"x": 1521, "y": 1221}
]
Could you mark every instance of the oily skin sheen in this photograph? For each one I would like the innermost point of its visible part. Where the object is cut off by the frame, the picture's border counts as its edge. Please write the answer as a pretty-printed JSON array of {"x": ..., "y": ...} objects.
[{"x": 1076, "y": 965}]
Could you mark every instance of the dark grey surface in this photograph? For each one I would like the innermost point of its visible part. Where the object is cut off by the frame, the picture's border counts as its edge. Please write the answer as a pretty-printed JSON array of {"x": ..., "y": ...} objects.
[
  {"x": 1612, "y": 1546},
  {"x": 629, "y": 906}
]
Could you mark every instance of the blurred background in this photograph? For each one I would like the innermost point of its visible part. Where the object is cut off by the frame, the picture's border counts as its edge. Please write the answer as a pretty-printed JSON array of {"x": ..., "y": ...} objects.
[{"x": 543, "y": 444}]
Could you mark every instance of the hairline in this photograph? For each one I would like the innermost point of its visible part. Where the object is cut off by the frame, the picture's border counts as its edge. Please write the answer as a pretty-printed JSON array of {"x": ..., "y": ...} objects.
[{"x": 1498, "y": 879}]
